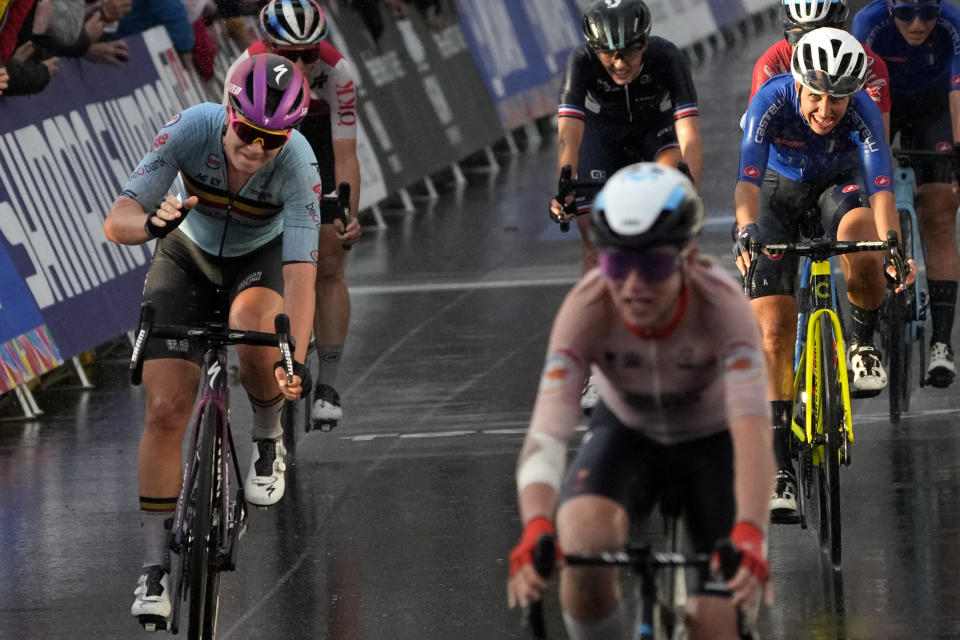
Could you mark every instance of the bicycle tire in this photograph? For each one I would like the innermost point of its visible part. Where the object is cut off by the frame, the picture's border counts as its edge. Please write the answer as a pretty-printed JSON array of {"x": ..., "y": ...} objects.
[
  {"x": 833, "y": 430},
  {"x": 203, "y": 589},
  {"x": 898, "y": 374}
]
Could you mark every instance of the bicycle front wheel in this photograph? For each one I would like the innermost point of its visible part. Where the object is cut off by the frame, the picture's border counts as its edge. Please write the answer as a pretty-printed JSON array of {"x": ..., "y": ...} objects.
[
  {"x": 204, "y": 582},
  {"x": 833, "y": 430}
]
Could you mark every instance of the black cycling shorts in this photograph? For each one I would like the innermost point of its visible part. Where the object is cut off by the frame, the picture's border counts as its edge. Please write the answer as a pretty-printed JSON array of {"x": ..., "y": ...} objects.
[
  {"x": 784, "y": 213},
  {"x": 183, "y": 283},
  {"x": 925, "y": 129},
  {"x": 622, "y": 464},
  {"x": 608, "y": 146}
]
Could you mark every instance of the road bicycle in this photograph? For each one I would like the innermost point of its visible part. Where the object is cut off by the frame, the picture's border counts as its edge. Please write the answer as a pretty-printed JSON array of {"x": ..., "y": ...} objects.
[
  {"x": 660, "y": 584},
  {"x": 822, "y": 417},
  {"x": 210, "y": 516},
  {"x": 905, "y": 317}
]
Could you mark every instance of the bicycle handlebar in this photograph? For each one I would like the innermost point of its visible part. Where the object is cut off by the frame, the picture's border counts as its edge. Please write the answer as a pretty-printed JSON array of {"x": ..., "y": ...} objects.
[{"x": 212, "y": 333}]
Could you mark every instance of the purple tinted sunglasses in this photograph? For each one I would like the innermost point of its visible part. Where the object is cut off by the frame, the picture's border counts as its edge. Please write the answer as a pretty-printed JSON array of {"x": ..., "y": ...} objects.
[{"x": 651, "y": 266}]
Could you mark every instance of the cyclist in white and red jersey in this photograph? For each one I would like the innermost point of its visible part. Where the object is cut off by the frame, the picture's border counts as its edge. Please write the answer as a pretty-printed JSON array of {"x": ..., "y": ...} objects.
[
  {"x": 296, "y": 30},
  {"x": 677, "y": 357},
  {"x": 802, "y": 16}
]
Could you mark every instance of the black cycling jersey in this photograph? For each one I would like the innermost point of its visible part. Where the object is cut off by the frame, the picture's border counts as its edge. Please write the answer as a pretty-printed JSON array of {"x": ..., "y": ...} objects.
[{"x": 664, "y": 85}]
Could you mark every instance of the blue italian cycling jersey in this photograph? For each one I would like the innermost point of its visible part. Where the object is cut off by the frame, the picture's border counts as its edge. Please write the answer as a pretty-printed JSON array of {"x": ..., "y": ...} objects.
[
  {"x": 282, "y": 197},
  {"x": 776, "y": 134},
  {"x": 934, "y": 65}
]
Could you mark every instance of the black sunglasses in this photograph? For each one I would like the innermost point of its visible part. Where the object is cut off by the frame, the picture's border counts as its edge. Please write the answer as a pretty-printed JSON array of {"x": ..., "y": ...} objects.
[
  {"x": 307, "y": 55},
  {"x": 909, "y": 12}
]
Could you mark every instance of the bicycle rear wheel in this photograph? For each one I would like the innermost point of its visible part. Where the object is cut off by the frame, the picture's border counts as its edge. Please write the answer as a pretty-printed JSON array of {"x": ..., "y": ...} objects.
[
  {"x": 204, "y": 579},
  {"x": 833, "y": 430}
]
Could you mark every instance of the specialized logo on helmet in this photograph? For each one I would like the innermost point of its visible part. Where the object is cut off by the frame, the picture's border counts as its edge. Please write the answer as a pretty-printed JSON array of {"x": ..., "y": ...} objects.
[
  {"x": 751, "y": 172},
  {"x": 882, "y": 181},
  {"x": 234, "y": 89},
  {"x": 850, "y": 188},
  {"x": 280, "y": 69}
]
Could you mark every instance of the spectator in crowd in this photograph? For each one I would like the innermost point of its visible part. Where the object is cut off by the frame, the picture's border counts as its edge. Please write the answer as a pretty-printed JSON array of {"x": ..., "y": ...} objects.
[
  {"x": 172, "y": 14},
  {"x": 25, "y": 50},
  {"x": 4, "y": 78},
  {"x": 76, "y": 30}
]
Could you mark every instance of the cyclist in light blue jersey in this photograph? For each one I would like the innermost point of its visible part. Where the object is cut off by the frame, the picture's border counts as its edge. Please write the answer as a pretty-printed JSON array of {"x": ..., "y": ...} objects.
[{"x": 238, "y": 237}]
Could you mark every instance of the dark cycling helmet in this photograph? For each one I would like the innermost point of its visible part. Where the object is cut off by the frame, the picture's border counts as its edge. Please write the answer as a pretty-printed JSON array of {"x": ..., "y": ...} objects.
[
  {"x": 801, "y": 16},
  {"x": 829, "y": 61},
  {"x": 293, "y": 23},
  {"x": 612, "y": 26},
  {"x": 645, "y": 205},
  {"x": 269, "y": 91}
]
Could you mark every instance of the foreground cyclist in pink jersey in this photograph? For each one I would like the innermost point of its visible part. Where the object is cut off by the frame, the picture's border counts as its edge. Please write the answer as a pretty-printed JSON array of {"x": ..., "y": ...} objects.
[{"x": 676, "y": 354}]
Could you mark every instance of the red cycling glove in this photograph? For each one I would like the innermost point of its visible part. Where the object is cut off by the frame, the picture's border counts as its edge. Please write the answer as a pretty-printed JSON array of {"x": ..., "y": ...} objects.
[
  {"x": 748, "y": 538},
  {"x": 523, "y": 553}
]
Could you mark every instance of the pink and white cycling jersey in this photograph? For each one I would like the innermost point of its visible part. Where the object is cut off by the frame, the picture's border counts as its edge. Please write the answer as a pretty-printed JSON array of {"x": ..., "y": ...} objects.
[
  {"x": 333, "y": 87},
  {"x": 685, "y": 382}
]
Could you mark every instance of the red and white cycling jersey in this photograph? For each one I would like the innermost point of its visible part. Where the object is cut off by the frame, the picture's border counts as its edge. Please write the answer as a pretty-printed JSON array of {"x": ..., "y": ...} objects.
[
  {"x": 333, "y": 87},
  {"x": 685, "y": 382},
  {"x": 776, "y": 61}
]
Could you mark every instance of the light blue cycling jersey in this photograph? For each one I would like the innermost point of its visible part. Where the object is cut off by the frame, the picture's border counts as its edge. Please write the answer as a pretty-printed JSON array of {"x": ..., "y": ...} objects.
[{"x": 282, "y": 197}]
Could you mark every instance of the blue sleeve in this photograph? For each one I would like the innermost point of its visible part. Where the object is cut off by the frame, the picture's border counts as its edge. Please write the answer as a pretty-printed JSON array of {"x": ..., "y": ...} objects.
[
  {"x": 874, "y": 150},
  {"x": 151, "y": 180},
  {"x": 755, "y": 146},
  {"x": 865, "y": 20},
  {"x": 173, "y": 15},
  {"x": 301, "y": 201},
  {"x": 951, "y": 15}
]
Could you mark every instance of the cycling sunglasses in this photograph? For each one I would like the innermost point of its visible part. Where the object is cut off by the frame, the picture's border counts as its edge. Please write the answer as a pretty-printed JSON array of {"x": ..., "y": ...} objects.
[
  {"x": 652, "y": 266},
  {"x": 908, "y": 12},
  {"x": 292, "y": 54},
  {"x": 250, "y": 133},
  {"x": 633, "y": 49},
  {"x": 841, "y": 87}
]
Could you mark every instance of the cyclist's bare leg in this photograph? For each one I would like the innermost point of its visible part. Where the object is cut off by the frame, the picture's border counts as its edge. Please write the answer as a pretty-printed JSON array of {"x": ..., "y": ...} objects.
[
  {"x": 714, "y": 618},
  {"x": 590, "y": 524},
  {"x": 777, "y": 316},
  {"x": 937, "y": 215},
  {"x": 254, "y": 309},
  {"x": 332, "y": 317},
  {"x": 862, "y": 271},
  {"x": 171, "y": 389}
]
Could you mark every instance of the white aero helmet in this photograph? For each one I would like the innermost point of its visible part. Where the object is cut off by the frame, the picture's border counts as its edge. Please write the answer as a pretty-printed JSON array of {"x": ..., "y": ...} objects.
[
  {"x": 829, "y": 61},
  {"x": 643, "y": 205},
  {"x": 802, "y": 12}
]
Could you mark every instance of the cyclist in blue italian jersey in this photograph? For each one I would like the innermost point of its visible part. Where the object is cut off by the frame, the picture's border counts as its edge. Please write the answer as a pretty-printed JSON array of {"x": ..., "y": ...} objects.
[
  {"x": 920, "y": 42},
  {"x": 801, "y": 133},
  {"x": 243, "y": 221},
  {"x": 627, "y": 97}
]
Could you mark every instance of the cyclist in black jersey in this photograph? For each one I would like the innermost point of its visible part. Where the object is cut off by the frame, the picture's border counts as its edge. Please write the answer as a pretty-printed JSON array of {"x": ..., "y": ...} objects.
[{"x": 627, "y": 97}]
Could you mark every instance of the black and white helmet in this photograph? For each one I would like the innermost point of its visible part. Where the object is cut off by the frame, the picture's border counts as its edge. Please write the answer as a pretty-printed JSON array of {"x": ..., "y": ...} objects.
[
  {"x": 829, "y": 61},
  {"x": 801, "y": 16},
  {"x": 644, "y": 205},
  {"x": 615, "y": 25},
  {"x": 293, "y": 23}
]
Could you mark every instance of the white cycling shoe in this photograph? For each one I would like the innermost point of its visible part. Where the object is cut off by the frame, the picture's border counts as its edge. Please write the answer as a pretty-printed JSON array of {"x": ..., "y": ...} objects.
[
  {"x": 941, "y": 371},
  {"x": 152, "y": 603},
  {"x": 265, "y": 484},
  {"x": 783, "y": 503},
  {"x": 869, "y": 377},
  {"x": 326, "y": 412},
  {"x": 589, "y": 396}
]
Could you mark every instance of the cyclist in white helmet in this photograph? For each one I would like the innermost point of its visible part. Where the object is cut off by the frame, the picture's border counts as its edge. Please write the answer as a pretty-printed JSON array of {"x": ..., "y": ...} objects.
[
  {"x": 801, "y": 137},
  {"x": 802, "y": 16},
  {"x": 297, "y": 30},
  {"x": 700, "y": 429}
]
